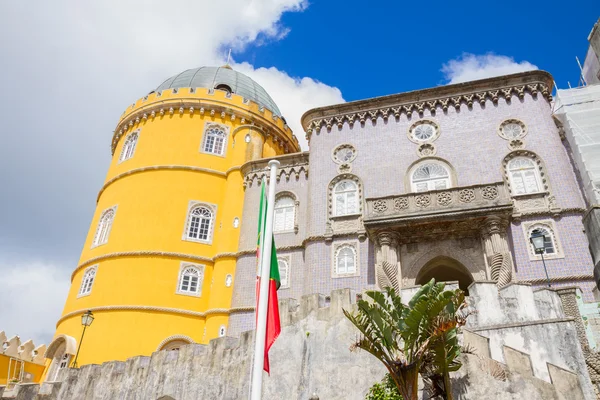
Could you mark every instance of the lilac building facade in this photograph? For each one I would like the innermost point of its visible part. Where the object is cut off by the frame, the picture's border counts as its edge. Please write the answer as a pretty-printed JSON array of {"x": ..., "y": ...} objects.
[{"x": 444, "y": 183}]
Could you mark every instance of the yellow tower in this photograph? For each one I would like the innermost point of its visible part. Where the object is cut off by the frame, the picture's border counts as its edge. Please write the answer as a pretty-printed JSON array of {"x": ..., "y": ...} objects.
[{"x": 158, "y": 263}]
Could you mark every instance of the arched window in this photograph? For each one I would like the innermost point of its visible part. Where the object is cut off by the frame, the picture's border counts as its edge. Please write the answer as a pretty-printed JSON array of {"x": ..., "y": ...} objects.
[
  {"x": 524, "y": 176},
  {"x": 552, "y": 246},
  {"x": 214, "y": 140},
  {"x": 222, "y": 330},
  {"x": 190, "y": 280},
  {"x": 129, "y": 146},
  {"x": 284, "y": 272},
  {"x": 224, "y": 88},
  {"x": 104, "y": 226},
  {"x": 430, "y": 176},
  {"x": 285, "y": 214},
  {"x": 199, "y": 224},
  {"x": 87, "y": 281},
  {"x": 345, "y": 260},
  {"x": 345, "y": 198}
]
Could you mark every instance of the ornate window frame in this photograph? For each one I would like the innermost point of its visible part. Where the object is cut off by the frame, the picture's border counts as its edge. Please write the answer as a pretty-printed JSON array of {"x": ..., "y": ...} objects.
[
  {"x": 101, "y": 238},
  {"x": 336, "y": 248},
  {"x": 549, "y": 226},
  {"x": 331, "y": 195},
  {"x": 541, "y": 172},
  {"x": 508, "y": 121},
  {"x": 205, "y": 137},
  {"x": 87, "y": 281},
  {"x": 428, "y": 121},
  {"x": 128, "y": 149},
  {"x": 183, "y": 267},
  {"x": 287, "y": 259},
  {"x": 193, "y": 204},
  {"x": 342, "y": 147},
  {"x": 408, "y": 181},
  {"x": 294, "y": 198}
]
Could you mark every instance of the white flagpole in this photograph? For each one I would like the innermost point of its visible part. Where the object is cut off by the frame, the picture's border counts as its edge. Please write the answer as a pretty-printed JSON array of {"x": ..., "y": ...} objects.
[{"x": 263, "y": 299}]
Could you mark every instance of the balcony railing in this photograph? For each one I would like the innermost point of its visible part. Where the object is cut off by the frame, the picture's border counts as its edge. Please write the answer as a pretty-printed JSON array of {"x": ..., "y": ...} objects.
[{"x": 476, "y": 199}]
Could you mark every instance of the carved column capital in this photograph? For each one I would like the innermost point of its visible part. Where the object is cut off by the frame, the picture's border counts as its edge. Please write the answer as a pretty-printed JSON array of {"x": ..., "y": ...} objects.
[
  {"x": 387, "y": 238},
  {"x": 494, "y": 226}
]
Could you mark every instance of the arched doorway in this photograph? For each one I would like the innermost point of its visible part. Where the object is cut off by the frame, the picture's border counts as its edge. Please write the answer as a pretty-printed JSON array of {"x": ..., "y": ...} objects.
[
  {"x": 60, "y": 351},
  {"x": 444, "y": 269}
]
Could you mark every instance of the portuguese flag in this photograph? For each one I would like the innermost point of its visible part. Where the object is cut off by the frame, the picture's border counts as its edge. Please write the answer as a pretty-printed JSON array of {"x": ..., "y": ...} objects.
[{"x": 273, "y": 324}]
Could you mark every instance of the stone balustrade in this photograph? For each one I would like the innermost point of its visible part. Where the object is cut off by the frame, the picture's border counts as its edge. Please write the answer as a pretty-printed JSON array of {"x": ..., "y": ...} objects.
[{"x": 476, "y": 199}]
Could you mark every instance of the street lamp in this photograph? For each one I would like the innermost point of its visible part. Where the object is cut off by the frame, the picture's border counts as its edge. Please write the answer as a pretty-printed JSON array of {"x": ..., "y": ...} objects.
[
  {"x": 538, "y": 240},
  {"x": 86, "y": 320}
]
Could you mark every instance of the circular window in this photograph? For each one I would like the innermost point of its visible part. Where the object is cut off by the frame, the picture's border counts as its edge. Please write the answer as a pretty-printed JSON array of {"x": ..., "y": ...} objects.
[
  {"x": 512, "y": 129},
  {"x": 423, "y": 131},
  {"x": 344, "y": 154}
]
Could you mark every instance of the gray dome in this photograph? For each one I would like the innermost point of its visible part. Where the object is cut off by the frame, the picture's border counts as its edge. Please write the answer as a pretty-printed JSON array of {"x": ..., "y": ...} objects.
[{"x": 211, "y": 77}]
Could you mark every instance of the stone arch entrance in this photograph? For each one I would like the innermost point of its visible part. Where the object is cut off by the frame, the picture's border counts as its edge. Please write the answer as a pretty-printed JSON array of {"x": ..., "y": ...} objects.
[{"x": 444, "y": 269}]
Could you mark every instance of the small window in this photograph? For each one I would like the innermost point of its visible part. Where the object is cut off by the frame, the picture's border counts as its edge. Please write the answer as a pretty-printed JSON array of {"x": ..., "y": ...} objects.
[
  {"x": 199, "y": 224},
  {"x": 285, "y": 210},
  {"x": 129, "y": 146},
  {"x": 552, "y": 246},
  {"x": 284, "y": 271},
  {"x": 228, "y": 280},
  {"x": 512, "y": 129},
  {"x": 222, "y": 331},
  {"x": 549, "y": 246},
  {"x": 423, "y": 131},
  {"x": 524, "y": 176},
  {"x": 104, "y": 227},
  {"x": 345, "y": 196},
  {"x": 214, "y": 140},
  {"x": 190, "y": 280},
  {"x": 345, "y": 260},
  {"x": 87, "y": 281},
  {"x": 64, "y": 362},
  {"x": 224, "y": 88},
  {"x": 430, "y": 176}
]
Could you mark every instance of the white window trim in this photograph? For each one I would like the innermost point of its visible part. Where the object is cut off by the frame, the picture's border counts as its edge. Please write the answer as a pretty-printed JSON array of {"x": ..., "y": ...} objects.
[
  {"x": 331, "y": 204},
  {"x": 192, "y": 205},
  {"x": 335, "y": 201},
  {"x": 536, "y": 173},
  {"x": 137, "y": 133},
  {"x": 222, "y": 331},
  {"x": 334, "y": 255},
  {"x": 414, "y": 126},
  {"x": 88, "y": 270},
  {"x": 95, "y": 242},
  {"x": 225, "y": 128},
  {"x": 550, "y": 226},
  {"x": 296, "y": 206},
  {"x": 450, "y": 179},
  {"x": 288, "y": 259},
  {"x": 182, "y": 267}
]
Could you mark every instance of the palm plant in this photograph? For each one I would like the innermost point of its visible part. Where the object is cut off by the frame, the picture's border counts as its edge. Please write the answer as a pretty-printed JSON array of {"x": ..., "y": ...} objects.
[{"x": 420, "y": 337}]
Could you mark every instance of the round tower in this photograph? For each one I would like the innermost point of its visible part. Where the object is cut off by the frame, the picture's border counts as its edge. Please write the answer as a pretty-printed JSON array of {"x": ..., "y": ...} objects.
[{"x": 158, "y": 263}]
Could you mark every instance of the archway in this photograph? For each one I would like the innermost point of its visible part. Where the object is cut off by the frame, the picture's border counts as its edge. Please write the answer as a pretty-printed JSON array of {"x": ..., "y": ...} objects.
[{"x": 444, "y": 269}]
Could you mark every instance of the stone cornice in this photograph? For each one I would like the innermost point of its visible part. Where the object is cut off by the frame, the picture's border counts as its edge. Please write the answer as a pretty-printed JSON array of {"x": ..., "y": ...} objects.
[
  {"x": 442, "y": 97},
  {"x": 291, "y": 164},
  {"x": 190, "y": 106},
  {"x": 179, "y": 311}
]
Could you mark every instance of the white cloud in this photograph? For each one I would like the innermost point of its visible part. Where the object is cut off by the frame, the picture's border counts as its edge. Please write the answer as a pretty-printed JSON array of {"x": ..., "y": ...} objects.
[
  {"x": 69, "y": 69},
  {"x": 471, "y": 67},
  {"x": 32, "y": 298}
]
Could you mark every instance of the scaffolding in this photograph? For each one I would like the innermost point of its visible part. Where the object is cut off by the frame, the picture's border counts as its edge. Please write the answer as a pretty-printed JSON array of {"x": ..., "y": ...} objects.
[{"x": 578, "y": 111}]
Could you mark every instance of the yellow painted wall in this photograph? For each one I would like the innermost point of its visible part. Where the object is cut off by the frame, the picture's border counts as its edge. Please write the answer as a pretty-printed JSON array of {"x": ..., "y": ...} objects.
[
  {"x": 151, "y": 214},
  {"x": 35, "y": 370}
]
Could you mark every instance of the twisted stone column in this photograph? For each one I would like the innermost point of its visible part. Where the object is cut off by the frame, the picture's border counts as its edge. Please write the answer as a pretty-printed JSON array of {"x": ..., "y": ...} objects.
[
  {"x": 387, "y": 261},
  {"x": 497, "y": 252}
]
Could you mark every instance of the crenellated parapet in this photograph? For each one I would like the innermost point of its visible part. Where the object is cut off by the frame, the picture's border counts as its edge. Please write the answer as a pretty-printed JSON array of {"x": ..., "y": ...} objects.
[{"x": 26, "y": 351}]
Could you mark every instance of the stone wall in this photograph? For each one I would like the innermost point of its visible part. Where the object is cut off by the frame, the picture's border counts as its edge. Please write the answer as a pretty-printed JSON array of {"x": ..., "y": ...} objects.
[{"x": 311, "y": 357}]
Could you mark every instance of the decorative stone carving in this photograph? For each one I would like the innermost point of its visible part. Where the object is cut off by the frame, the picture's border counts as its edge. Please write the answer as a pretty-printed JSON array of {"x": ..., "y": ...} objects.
[
  {"x": 425, "y": 130},
  {"x": 343, "y": 154},
  {"x": 444, "y": 198},
  {"x": 423, "y": 200},
  {"x": 401, "y": 203},
  {"x": 489, "y": 192},
  {"x": 516, "y": 144},
  {"x": 466, "y": 195},
  {"x": 426, "y": 150},
  {"x": 501, "y": 268},
  {"x": 379, "y": 206},
  {"x": 344, "y": 168}
]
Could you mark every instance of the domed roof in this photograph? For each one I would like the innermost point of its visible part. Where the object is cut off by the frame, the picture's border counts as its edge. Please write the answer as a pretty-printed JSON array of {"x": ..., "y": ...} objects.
[{"x": 212, "y": 77}]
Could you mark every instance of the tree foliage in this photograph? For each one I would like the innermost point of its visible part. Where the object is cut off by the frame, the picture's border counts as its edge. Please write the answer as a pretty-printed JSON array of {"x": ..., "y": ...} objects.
[{"x": 420, "y": 337}]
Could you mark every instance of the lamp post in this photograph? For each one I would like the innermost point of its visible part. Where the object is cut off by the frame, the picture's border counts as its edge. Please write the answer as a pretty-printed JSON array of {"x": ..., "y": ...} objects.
[
  {"x": 86, "y": 320},
  {"x": 537, "y": 239}
]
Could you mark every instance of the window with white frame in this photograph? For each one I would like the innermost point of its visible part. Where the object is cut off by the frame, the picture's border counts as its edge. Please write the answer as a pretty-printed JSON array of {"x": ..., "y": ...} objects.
[
  {"x": 215, "y": 138},
  {"x": 345, "y": 198},
  {"x": 524, "y": 176},
  {"x": 222, "y": 330},
  {"x": 430, "y": 176},
  {"x": 129, "y": 146},
  {"x": 345, "y": 260},
  {"x": 87, "y": 281},
  {"x": 199, "y": 224},
  {"x": 285, "y": 214},
  {"x": 552, "y": 247},
  {"x": 190, "y": 279},
  {"x": 284, "y": 272},
  {"x": 104, "y": 226}
]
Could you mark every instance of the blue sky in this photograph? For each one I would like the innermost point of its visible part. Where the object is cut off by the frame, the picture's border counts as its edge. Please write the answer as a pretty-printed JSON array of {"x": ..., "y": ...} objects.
[
  {"x": 84, "y": 62},
  {"x": 374, "y": 48}
]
